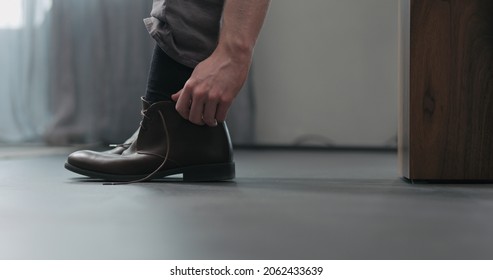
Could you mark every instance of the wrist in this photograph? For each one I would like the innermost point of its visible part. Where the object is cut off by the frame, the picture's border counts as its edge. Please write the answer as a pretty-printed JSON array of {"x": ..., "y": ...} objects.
[{"x": 237, "y": 49}]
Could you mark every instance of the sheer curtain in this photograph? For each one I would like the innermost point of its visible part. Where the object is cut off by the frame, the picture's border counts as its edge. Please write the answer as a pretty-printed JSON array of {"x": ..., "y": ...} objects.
[
  {"x": 24, "y": 64},
  {"x": 101, "y": 58},
  {"x": 72, "y": 72}
]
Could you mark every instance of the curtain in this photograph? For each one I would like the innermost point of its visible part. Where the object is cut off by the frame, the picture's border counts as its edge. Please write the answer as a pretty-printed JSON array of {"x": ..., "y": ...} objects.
[
  {"x": 101, "y": 58},
  {"x": 24, "y": 60},
  {"x": 74, "y": 71}
]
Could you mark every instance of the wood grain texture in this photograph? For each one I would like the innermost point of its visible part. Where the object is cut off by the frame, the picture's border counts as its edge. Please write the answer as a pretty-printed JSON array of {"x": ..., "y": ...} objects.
[{"x": 451, "y": 90}]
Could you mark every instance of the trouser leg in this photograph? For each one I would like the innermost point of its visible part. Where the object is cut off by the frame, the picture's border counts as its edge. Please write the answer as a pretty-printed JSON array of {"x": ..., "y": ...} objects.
[{"x": 166, "y": 77}]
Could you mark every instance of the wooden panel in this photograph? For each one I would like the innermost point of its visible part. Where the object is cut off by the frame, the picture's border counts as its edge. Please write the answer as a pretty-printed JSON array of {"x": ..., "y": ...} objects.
[
  {"x": 451, "y": 87},
  {"x": 404, "y": 62}
]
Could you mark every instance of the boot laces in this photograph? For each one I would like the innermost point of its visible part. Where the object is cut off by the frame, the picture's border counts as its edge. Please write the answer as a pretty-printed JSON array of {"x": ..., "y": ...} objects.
[
  {"x": 165, "y": 159},
  {"x": 127, "y": 145},
  {"x": 124, "y": 145},
  {"x": 143, "y": 113}
]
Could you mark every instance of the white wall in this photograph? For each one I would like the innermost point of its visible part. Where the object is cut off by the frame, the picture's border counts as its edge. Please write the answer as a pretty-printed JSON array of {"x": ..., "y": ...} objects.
[{"x": 327, "y": 69}]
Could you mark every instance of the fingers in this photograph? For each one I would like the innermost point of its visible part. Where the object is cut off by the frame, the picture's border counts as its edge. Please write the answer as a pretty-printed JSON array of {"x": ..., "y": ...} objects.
[
  {"x": 176, "y": 96},
  {"x": 183, "y": 103},
  {"x": 189, "y": 110},
  {"x": 200, "y": 107},
  {"x": 209, "y": 116},
  {"x": 222, "y": 110},
  {"x": 196, "y": 111}
]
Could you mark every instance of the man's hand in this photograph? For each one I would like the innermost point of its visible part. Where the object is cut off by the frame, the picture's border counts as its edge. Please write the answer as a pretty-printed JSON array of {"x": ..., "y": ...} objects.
[{"x": 215, "y": 82}]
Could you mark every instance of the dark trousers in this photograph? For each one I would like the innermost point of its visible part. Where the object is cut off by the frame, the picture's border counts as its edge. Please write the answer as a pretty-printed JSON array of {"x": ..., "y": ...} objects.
[{"x": 166, "y": 77}]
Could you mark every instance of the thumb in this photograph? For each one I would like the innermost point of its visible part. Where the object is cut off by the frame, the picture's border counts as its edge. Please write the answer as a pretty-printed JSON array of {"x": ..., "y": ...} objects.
[{"x": 175, "y": 96}]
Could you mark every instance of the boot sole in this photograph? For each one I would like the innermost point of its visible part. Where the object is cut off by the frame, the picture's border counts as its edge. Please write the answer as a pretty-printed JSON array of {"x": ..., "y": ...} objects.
[{"x": 196, "y": 173}]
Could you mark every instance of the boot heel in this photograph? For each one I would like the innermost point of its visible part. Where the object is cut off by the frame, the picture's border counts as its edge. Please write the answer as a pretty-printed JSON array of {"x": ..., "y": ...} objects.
[{"x": 210, "y": 172}]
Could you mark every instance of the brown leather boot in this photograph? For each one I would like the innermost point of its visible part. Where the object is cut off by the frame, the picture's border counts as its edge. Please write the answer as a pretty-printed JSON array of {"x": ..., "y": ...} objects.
[
  {"x": 118, "y": 149},
  {"x": 166, "y": 145}
]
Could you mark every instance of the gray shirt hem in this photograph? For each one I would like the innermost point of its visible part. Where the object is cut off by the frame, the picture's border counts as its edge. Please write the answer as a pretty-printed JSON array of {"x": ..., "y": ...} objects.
[{"x": 164, "y": 40}]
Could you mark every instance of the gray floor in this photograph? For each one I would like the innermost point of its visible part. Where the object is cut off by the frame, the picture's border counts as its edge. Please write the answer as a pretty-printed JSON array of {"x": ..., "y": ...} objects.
[{"x": 283, "y": 205}]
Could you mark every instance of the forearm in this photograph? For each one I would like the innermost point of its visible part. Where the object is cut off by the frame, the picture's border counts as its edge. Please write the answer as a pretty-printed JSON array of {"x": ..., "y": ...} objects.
[
  {"x": 215, "y": 82},
  {"x": 241, "y": 24}
]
